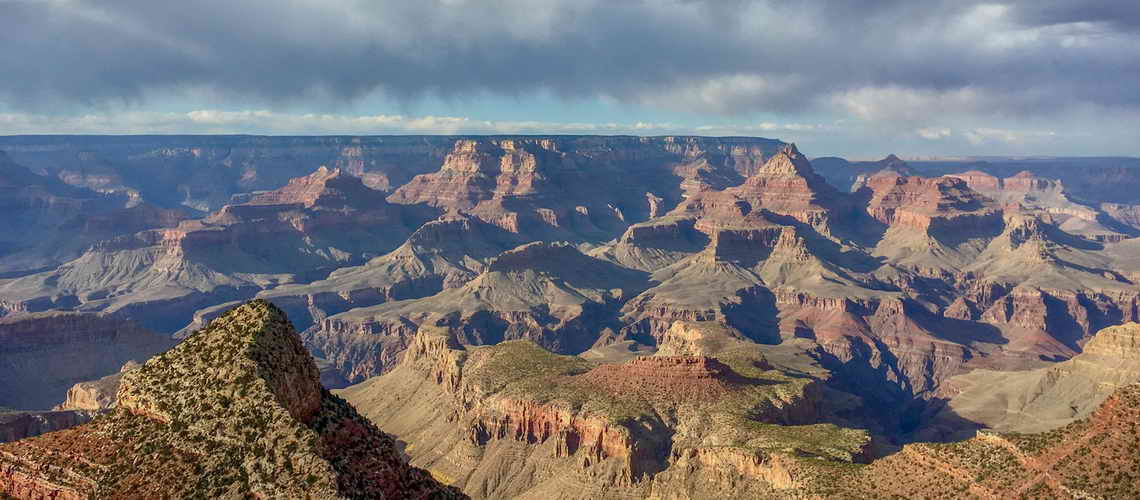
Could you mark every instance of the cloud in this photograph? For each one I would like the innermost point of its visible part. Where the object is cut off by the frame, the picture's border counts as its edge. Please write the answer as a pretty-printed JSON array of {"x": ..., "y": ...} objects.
[
  {"x": 934, "y": 133},
  {"x": 1121, "y": 15},
  {"x": 878, "y": 60},
  {"x": 213, "y": 121},
  {"x": 980, "y": 136}
]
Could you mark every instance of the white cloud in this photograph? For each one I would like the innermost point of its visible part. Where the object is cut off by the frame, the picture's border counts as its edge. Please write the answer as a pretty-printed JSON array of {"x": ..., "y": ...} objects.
[
  {"x": 894, "y": 103},
  {"x": 213, "y": 121},
  {"x": 730, "y": 94},
  {"x": 980, "y": 136},
  {"x": 934, "y": 133}
]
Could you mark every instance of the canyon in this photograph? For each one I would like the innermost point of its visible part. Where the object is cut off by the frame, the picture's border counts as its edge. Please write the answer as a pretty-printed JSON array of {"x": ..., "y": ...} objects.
[{"x": 652, "y": 317}]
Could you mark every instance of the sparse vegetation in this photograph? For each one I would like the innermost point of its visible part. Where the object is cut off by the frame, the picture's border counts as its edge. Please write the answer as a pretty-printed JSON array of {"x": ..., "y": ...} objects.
[{"x": 234, "y": 410}]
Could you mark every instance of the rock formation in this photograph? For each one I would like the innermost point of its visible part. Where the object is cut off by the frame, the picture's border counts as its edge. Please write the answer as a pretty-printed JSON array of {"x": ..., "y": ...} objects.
[
  {"x": 1047, "y": 398},
  {"x": 48, "y": 222},
  {"x": 96, "y": 395},
  {"x": 16, "y": 425},
  {"x": 513, "y": 419},
  {"x": 549, "y": 293},
  {"x": 576, "y": 188},
  {"x": 785, "y": 186},
  {"x": 43, "y": 354},
  {"x": 441, "y": 254},
  {"x": 234, "y": 410},
  {"x": 1091, "y": 458},
  {"x": 300, "y": 231}
]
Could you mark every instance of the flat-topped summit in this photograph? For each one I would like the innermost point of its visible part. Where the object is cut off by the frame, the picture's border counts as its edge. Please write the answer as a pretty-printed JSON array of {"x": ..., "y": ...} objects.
[{"x": 687, "y": 379}]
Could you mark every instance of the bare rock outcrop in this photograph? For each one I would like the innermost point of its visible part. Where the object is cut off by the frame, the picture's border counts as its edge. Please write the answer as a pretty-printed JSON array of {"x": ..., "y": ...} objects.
[
  {"x": 785, "y": 186},
  {"x": 570, "y": 187},
  {"x": 96, "y": 395},
  {"x": 944, "y": 206}
]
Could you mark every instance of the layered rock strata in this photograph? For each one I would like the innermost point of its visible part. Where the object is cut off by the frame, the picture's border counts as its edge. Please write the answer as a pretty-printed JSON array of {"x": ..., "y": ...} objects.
[
  {"x": 549, "y": 293},
  {"x": 44, "y": 354},
  {"x": 470, "y": 414}
]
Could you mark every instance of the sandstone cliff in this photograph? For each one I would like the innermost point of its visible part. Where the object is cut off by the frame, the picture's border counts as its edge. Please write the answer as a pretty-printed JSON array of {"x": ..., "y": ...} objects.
[
  {"x": 573, "y": 188},
  {"x": 785, "y": 185},
  {"x": 96, "y": 395}
]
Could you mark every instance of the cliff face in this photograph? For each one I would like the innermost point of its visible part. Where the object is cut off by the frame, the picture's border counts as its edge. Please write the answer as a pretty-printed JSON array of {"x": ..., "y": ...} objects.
[
  {"x": 928, "y": 278},
  {"x": 25, "y": 424},
  {"x": 1126, "y": 214},
  {"x": 204, "y": 172},
  {"x": 1046, "y": 398},
  {"x": 48, "y": 222},
  {"x": 43, "y": 354},
  {"x": 579, "y": 187},
  {"x": 96, "y": 395},
  {"x": 941, "y": 205},
  {"x": 896, "y": 287},
  {"x": 1106, "y": 223},
  {"x": 785, "y": 185},
  {"x": 234, "y": 410},
  {"x": 616, "y": 429},
  {"x": 303, "y": 230},
  {"x": 549, "y": 293},
  {"x": 442, "y": 254}
]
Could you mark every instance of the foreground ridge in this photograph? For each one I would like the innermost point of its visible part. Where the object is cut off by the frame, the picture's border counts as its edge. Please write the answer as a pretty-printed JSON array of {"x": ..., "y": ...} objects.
[
  {"x": 235, "y": 410},
  {"x": 1090, "y": 458}
]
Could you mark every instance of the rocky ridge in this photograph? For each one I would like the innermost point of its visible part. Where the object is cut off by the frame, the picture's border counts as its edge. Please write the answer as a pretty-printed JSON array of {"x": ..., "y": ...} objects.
[
  {"x": 48, "y": 222},
  {"x": 234, "y": 410},
  {"x": 1091, "y": 458},
  {"x": 930, "y": 278},
  {"x": 922, "y": 273}
]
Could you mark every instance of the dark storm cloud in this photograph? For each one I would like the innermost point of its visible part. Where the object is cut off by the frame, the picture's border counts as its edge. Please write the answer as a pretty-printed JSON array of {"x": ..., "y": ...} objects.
[
  {"x": 1122, "y": 14},
  {"x": 722, "y": 56}
]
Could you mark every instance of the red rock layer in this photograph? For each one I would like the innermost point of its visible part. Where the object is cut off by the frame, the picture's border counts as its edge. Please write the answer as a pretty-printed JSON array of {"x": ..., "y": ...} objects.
[
  {"x": 945, "y": 203},
  {"x": 688, "y": 379},
  {"x": 785, "y": 186}
]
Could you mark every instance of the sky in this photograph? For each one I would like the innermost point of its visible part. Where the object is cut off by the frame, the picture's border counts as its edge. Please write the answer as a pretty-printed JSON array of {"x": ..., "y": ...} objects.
[{"x": 855, "y": 78}]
